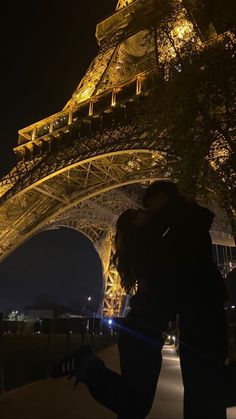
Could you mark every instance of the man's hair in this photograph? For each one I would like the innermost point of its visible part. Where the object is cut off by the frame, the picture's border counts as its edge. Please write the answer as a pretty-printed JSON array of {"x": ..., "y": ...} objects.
[{"x": 168, "y": 187}]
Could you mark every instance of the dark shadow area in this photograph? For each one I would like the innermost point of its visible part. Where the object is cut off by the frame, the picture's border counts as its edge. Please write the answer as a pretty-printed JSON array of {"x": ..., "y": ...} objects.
[{"x": 31, "y": 358}]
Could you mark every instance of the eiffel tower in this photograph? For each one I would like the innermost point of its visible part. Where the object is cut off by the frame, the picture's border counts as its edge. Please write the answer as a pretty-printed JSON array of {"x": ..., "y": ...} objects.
[{"x": 84, "y": 165}]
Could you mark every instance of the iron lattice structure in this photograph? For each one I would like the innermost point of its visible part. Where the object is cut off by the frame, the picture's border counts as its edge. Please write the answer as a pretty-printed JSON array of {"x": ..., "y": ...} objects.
[
  {"x": 123, "y": 3},
  {"x": 96, "y": 219},
  {"x": 158, "y": 102}
]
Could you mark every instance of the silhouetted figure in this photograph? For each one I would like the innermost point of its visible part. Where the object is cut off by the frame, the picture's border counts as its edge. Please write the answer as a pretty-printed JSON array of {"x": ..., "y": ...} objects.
[
  {"x": 165, "y": 254},
  {"x": 131, "y": 393},
  {"x": 188, "y": 280}
]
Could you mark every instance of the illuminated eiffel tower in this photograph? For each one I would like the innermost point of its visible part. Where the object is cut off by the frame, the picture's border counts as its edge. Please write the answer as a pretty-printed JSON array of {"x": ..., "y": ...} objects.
[{"x": 83, "y": 166}]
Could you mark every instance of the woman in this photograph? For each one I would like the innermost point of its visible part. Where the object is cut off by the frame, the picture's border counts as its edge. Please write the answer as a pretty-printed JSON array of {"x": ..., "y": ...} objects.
[{"x": 131, "y": 393}]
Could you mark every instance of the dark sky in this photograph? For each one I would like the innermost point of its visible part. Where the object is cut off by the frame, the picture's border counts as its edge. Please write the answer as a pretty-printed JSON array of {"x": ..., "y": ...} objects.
[
  {"x": 61, "y": 265},
  {"x": 47, "y": 45}
]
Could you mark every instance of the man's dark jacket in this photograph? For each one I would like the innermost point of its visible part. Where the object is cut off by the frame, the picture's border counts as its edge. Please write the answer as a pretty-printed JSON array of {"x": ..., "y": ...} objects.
[{"x": 175, "y": 258}]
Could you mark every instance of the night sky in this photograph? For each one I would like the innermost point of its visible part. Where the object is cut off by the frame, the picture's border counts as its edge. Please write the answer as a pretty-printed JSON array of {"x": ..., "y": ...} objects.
[{"x": 47, "y": 45}]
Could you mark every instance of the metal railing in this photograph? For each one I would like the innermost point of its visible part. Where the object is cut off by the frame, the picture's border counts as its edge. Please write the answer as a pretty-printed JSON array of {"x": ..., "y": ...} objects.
[{"x": 28, "y": 351}]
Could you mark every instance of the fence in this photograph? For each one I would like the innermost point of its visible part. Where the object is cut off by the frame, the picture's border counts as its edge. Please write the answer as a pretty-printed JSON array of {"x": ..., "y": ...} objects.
[{"x": 29, "y": 351}]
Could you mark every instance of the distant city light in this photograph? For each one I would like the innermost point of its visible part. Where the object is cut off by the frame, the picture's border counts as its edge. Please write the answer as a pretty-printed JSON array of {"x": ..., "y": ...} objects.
[
  {"x": 232, "y": 306},
  {"x": 89, "y": 298},
  {"x": 110, "y": 321}
]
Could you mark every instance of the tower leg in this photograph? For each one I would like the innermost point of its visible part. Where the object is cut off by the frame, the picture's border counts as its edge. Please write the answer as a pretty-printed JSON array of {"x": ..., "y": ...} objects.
[{"x": 115, "y": 301}]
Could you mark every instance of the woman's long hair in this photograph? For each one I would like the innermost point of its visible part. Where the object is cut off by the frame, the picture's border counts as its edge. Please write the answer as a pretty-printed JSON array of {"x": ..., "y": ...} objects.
[{"x": 124, "y": 253}]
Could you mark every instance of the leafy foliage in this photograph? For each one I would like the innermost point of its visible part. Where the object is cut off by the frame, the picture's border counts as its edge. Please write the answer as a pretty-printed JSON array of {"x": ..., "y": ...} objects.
[{"x": 196, "y": 115}]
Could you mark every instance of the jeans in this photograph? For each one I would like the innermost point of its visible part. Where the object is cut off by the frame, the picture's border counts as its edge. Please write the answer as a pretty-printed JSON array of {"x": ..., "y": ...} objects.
[
  {"x": 131, "y": 393},
  {"x": 203, "y": 350}
]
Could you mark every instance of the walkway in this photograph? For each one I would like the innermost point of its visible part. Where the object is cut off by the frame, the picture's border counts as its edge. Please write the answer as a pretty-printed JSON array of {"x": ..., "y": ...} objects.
[{"x": 56, "y": 399}]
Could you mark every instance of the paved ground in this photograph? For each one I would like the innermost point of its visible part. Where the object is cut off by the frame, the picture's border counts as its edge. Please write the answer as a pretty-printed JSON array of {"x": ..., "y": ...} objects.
[{"x": 56, "y": 399}]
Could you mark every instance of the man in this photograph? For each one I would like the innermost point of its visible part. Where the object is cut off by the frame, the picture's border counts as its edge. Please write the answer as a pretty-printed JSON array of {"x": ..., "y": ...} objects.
[{"x": 185, "y": 275}]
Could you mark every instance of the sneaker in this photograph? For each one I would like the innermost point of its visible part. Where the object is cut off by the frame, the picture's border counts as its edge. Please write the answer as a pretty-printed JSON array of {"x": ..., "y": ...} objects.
[{"x": 70, "y": 364}]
